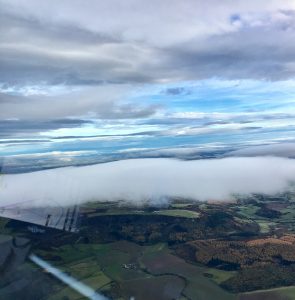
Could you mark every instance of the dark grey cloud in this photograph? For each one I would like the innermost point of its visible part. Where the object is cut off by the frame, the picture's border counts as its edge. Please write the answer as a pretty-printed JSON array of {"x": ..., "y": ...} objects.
[
  {"x": 13, "y": 128},
  {"x": 280, "y": 150},
  {"x": 90, "y": 44},
  {"x": 34, "y": 64},
  {"x": 252, "y": 53},
  {"x": 102, "y": 102},
  {"x": 175, "y": 91},
  {"x": 34, "y": 51}
]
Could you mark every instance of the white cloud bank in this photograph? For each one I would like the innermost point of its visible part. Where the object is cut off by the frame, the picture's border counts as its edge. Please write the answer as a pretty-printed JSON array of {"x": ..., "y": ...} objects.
[{"x": 138, "y": 180}]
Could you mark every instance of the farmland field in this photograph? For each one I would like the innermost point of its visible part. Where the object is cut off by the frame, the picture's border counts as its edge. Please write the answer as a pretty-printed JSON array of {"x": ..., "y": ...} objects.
[{"x": 181, "y": 251}]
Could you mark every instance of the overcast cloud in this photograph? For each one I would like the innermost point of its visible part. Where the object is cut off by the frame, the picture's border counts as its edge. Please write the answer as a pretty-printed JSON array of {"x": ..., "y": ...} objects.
[
  {"x": 104, "y": 102},
  {"x": 90, "y": 42}
]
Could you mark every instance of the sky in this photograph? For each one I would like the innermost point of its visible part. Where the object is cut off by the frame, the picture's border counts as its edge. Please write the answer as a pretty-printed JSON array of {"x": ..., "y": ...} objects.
[{"x": 98, "y": 81}]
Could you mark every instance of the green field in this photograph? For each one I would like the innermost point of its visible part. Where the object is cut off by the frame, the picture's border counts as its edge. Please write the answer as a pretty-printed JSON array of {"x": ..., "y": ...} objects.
[
  {"x": 283, "y": 293},
  {"x": 178, "y": 213},
  {"x": 130, "y": 266},
  {"x": 219, "y": 276},
  {"x": 265, "y": 226},
  {"x": 176, "y": 210},
  {"x": 248, "y": 211},
  {"x": 180, "y": 205}
]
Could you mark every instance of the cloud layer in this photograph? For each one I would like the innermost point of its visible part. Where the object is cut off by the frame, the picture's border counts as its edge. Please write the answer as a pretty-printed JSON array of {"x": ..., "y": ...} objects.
[
  {"x": 281, "y": 150},
  {"x": 88, "y": 43},
  {"x": 152, "y": 180}
]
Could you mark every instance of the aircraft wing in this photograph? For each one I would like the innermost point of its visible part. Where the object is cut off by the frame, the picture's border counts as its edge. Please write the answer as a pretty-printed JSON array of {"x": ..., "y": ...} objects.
[{"x": 62, "y": 218}]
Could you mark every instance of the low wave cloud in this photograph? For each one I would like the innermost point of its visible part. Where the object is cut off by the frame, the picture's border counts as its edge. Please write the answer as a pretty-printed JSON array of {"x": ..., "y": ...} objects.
[{"x": 142, "y": 180}]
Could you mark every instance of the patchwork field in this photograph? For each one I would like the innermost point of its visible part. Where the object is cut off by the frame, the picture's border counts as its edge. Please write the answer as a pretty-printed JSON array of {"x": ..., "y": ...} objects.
[
  {"x": 182, "y": 251},
  {"x": 124, "y": 269}
]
